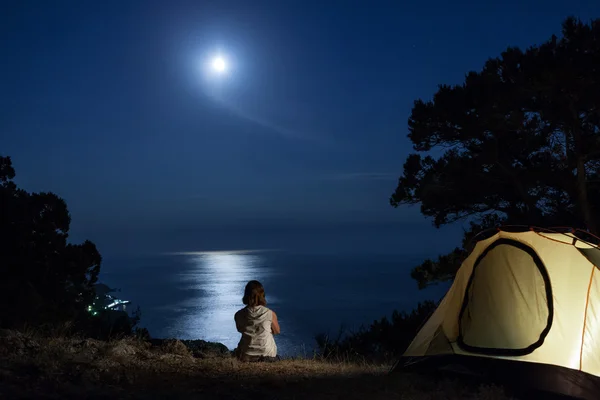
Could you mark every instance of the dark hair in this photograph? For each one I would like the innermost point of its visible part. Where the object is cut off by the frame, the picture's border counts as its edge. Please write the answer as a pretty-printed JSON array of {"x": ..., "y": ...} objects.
[{"x": 254, "y": 294}]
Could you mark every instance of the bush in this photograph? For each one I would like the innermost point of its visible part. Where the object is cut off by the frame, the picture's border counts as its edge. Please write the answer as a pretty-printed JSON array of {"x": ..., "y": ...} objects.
[
  {"x": 383, "y": 341},
  {"x": 44, "y": 280},
  {"x": 46, "y": 283}
]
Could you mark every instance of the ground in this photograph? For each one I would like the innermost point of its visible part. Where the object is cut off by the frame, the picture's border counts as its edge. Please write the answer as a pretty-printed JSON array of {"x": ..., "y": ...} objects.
[{"x": 69, "y": 368}]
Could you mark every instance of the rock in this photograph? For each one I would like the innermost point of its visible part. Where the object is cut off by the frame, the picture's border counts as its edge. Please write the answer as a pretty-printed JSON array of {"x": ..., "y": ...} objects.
[
  {"x": 121, "y": 349},
  {"x": 197, "y": 348},
  {"x": 174, "y": 346},
  {"x": 204, "y": 349}
]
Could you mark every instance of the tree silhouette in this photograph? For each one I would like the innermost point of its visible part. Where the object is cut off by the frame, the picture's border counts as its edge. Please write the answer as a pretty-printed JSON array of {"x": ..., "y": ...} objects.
[
  {"x": 519, "y": 143},
  {"x": 43, "y": 279}
]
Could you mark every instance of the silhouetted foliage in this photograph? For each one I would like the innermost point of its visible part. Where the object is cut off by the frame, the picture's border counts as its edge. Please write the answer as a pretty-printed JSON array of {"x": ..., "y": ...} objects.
[
  {"x": 113, "y": 324},
  {"x": 44, "y": 280},
  {"x": 520, "y": 144},
  {"x": 384, "y": 340}
]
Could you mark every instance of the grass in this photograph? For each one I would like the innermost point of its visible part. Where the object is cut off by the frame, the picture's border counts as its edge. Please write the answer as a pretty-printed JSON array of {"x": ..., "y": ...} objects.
[{"x": 65, "y": 368}]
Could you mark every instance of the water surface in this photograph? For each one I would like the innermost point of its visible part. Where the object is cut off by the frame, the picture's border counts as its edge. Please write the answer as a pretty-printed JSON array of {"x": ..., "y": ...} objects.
[{"x": 195, "y": 295}]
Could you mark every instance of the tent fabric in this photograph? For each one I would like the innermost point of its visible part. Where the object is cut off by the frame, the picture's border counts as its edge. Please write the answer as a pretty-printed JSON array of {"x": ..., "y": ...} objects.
[
  {"x": 522, "y": 296},
  {"x": 506, "y": 308}
]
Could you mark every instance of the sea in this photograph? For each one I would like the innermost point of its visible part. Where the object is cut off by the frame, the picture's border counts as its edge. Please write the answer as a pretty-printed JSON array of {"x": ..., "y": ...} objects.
[{"x": 194, "y": 295}]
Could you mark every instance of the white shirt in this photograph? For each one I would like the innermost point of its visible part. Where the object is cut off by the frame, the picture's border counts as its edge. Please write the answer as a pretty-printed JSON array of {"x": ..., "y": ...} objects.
[{"x": 254, "y": 323}]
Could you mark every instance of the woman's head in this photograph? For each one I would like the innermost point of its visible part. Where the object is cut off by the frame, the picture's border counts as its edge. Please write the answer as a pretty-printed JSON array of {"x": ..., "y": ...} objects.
[{"x": 254, "y": 294}]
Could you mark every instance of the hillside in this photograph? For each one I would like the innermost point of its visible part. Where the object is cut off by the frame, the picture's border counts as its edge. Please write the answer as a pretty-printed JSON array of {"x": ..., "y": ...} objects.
[{"x": 49, "y": 368}]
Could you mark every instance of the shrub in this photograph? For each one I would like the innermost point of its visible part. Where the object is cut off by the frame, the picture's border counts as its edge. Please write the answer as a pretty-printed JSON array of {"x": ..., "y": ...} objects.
[{"x": 383, "y": 341}]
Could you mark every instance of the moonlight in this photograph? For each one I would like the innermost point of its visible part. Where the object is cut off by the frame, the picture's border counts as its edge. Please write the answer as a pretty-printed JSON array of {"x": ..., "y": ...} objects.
[{"x": 219, "y": 65}]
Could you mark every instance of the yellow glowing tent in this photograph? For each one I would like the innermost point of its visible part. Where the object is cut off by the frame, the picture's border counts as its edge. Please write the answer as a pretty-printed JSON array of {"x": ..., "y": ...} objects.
[{"x": 524, "y": 306}]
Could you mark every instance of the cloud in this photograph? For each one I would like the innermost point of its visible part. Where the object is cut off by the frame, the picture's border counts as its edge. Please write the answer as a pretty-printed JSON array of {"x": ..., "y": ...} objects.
[{"x": 368, "y": 176}]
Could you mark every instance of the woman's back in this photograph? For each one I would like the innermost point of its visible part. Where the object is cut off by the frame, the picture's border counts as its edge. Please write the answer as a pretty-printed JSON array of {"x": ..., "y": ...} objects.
[{"x": 255, "y": 325}]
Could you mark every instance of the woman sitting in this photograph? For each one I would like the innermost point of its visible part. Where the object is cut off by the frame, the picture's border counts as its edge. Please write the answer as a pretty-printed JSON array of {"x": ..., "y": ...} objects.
[{"x": 257, "y": 324}]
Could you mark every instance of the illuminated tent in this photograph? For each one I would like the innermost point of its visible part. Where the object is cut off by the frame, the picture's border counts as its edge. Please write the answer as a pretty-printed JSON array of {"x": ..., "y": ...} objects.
[{"x": 525, "y": 308}]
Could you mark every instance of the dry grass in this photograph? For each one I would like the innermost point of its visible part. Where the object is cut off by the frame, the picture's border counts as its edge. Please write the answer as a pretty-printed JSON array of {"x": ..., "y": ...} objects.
[{"x": 48, "y": 368}]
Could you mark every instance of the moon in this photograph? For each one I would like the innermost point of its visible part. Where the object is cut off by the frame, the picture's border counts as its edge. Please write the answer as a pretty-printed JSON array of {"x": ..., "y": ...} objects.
[{"x": 219, "y": 65}]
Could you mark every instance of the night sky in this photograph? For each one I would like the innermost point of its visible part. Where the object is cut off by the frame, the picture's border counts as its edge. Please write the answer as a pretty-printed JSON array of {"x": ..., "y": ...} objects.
[{"x": 108, "y": 105}]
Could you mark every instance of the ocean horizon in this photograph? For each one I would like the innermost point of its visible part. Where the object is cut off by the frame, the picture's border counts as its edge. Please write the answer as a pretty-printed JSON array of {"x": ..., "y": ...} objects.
[{"x": 194, "y": 295}]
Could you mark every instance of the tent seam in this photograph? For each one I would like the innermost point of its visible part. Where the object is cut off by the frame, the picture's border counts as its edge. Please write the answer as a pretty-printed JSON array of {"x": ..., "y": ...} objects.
[
  {"x": 587, "y": 302},
  {"x": 554, "y": 240},
  {"x": 575, "y": 239}
]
